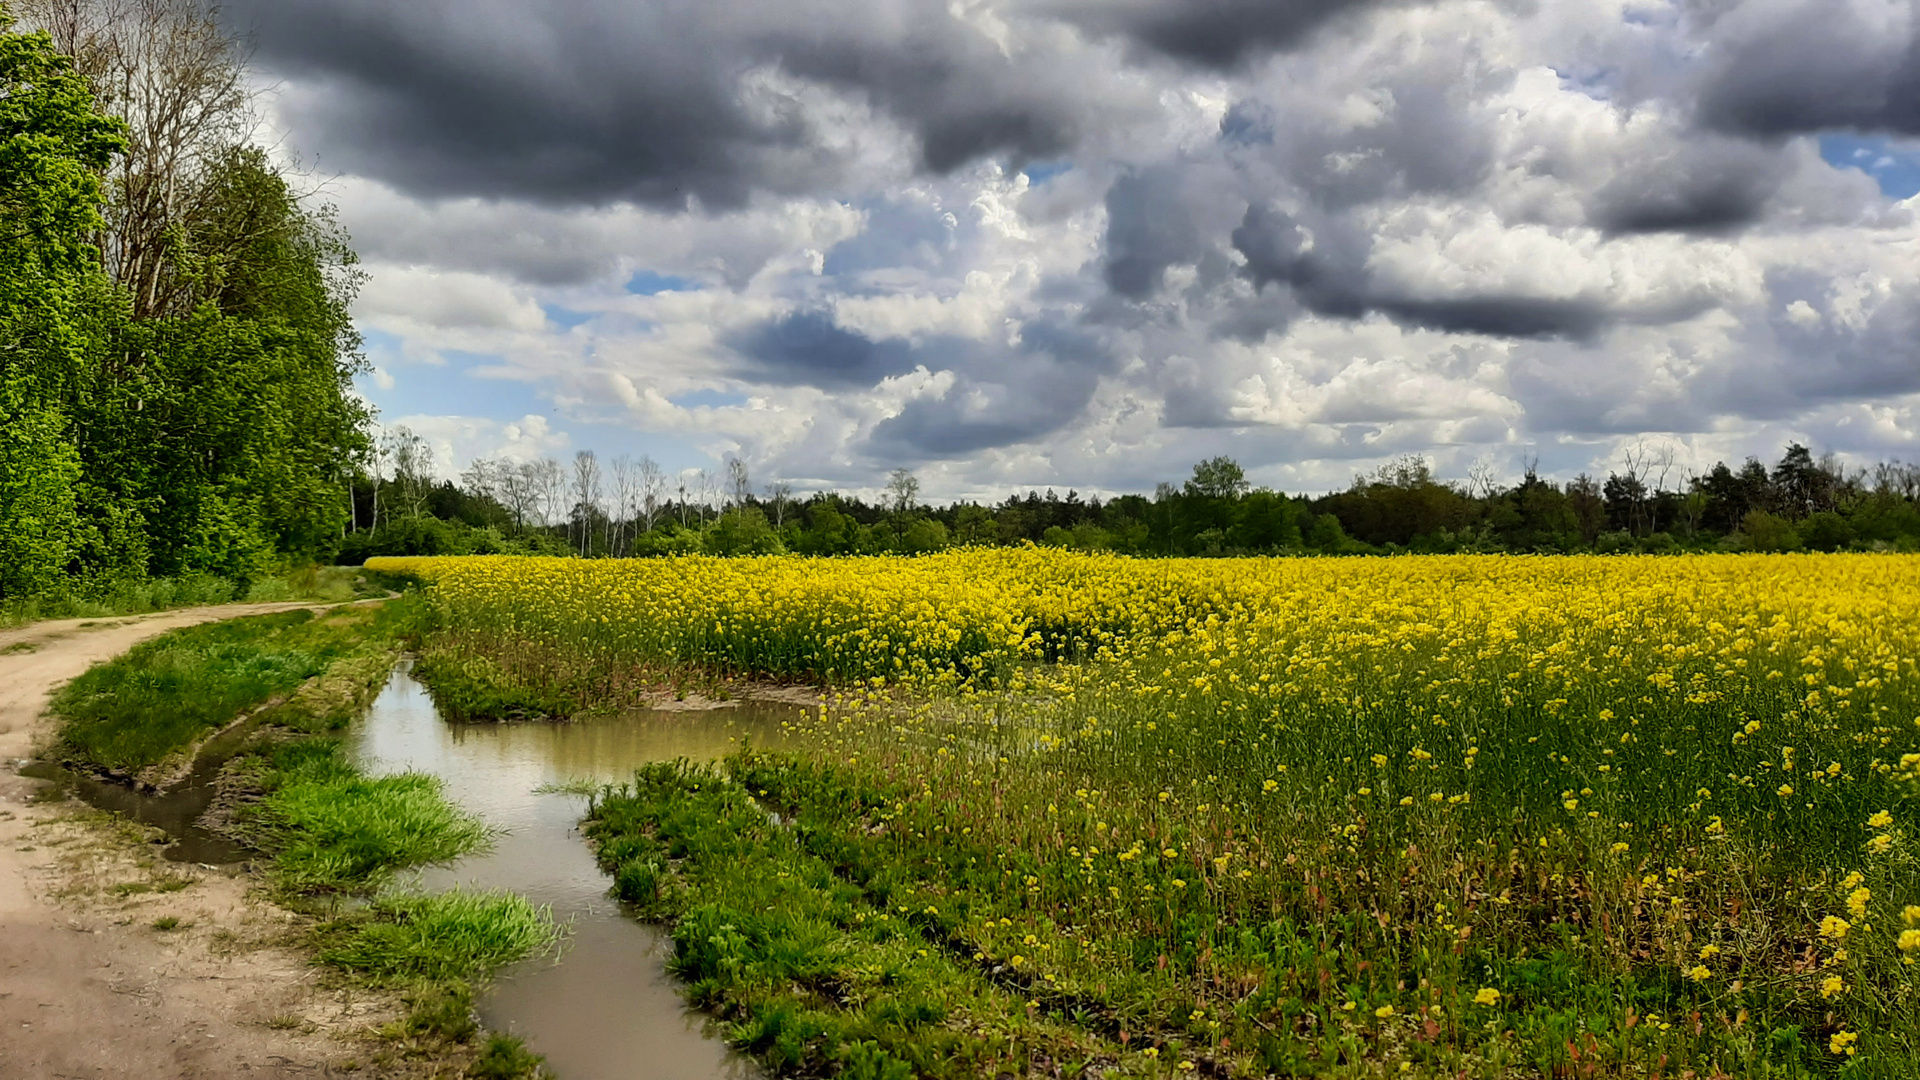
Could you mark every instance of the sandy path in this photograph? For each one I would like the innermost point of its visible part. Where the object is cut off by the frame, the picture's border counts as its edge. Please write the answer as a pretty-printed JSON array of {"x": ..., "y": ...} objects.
[{"x": 88, "y": 986}]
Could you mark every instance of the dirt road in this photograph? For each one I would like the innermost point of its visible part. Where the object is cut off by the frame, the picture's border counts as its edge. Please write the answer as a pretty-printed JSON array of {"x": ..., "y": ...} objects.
[{"x": 115, "y": 963}]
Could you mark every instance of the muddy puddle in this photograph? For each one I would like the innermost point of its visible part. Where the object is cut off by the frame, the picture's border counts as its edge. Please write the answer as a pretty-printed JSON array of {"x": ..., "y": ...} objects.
[
  {"x": 176, "y": 810},
  {"x": 606, "y": 1009}
]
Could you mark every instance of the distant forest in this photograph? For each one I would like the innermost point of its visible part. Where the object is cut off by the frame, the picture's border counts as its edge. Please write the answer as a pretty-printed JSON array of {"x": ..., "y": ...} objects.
[
  {"x": 176, "y": 356},
  {"x": 624, "y": 508}
]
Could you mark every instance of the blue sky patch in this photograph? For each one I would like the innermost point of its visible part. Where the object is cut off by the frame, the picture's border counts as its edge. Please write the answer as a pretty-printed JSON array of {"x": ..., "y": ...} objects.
[
  {"x": 648, "y": 283},
  {"x": 453, "y": 390},
  {"x": 1895, "y": 167},
  {"x": 1039, "y": 172},
  {"x": 565, "y": 318}
]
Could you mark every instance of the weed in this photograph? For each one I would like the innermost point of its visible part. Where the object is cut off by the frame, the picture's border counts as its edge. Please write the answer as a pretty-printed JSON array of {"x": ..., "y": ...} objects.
[
  {"x": 166, "y": 922},
  {"x": 285, "y": 1022},
  {"x": 19, "y": 647}
]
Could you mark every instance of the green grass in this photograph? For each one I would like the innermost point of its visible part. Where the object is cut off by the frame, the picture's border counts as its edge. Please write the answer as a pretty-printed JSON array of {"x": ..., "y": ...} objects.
[
  {"x": 167, "y": 693},
  {"x": 454, "y": 935},
  {"x": 317, "y": 584},
  {"x": 810, "y": 974},
  {"x": 332, "y": 829}
]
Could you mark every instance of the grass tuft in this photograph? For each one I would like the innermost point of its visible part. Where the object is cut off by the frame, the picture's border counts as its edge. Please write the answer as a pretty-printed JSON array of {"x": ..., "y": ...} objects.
[
  {"x": 505, "y": 1057},
  {"x": 458, "y": 934},
  {"x": 334, "y": 830}
]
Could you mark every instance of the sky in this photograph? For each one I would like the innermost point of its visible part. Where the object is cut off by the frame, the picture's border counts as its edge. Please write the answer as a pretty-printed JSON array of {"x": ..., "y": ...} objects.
[{"x": 1014, "y": 244}]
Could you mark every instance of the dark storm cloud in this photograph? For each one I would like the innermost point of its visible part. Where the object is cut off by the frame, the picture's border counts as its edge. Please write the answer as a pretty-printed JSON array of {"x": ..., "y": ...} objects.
[
  {"x": 1325, "y": 267},
  {"x": 964, "y": 98},
  {"x": 1210, "y": 33},
  {"x": 499, "y": 99},
  {"x": 811, "y": 349},
  {"x": 1793, "y": 66},
  {"x": 1000, "y": 394},
  {"x": 1149, "y": 228},
  {"x": 1712, "y": 185},
  {"x": 594, "y": 102}
]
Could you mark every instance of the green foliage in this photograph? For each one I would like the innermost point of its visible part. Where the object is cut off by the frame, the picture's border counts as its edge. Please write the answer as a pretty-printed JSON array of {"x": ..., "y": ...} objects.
[
  {"x": 458, "y": 934},
  {"x": 52, "y": 144},
  {"x": 133, "y": 596},
  {"x": 742, "y": 532},
  {"x": 470, "y": 688},
  {"x": 442, "y": 1011},
  {"x": 1218, "y": 478},
  {"x": 432, "y": 536},
  {"x": 1768, "y": 532},
  {"x": 207, "y": 443}
]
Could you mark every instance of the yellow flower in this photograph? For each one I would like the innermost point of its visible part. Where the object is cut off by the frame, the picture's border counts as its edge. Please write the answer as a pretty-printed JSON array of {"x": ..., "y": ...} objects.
[
  {"x": 1700, "y": 973},
  {"x": 1383, "y": 1012},
  {"x": 1151, "y": 1051},
  {"x": 1911, "y": 916},
  {"x": 1880, "y": 820},
  {"x": 1785, "y": 790},
  {"x": 1486, "y": 995},
  {"x": 1842, "y": 1043},
  {"x": 1834, "y": 928},
  {"x": 1621, "y": 848},
  {"x": 1857, "y": 902},
  {"x": 1910, "y": 941},
  {"x": 1832, "y": 987},
  {"x": 1708, "y": 952},
  {"x": 1880, "y": 844}
]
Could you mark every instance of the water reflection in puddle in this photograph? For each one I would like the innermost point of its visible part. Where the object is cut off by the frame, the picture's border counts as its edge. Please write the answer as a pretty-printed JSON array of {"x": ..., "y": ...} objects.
[{"x": 606, "y": 1010}]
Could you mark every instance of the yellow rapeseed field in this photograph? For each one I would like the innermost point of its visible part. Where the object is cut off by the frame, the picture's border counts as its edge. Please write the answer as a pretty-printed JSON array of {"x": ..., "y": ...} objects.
[{"x": 1584, "y": 796}]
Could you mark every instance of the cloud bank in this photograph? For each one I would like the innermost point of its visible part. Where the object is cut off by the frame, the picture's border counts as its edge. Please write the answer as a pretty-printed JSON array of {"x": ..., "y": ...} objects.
[{"x": 1017, "y": 243}]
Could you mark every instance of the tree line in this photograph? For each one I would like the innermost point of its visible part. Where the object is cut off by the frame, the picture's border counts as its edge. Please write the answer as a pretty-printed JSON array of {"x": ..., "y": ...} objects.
[
  {"x": 633, "y": 508},
  {"x": 176, "y": 355}
]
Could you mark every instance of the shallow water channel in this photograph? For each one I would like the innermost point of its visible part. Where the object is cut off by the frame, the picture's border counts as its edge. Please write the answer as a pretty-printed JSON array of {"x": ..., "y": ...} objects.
[{"x": 606, "y": 1009}]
